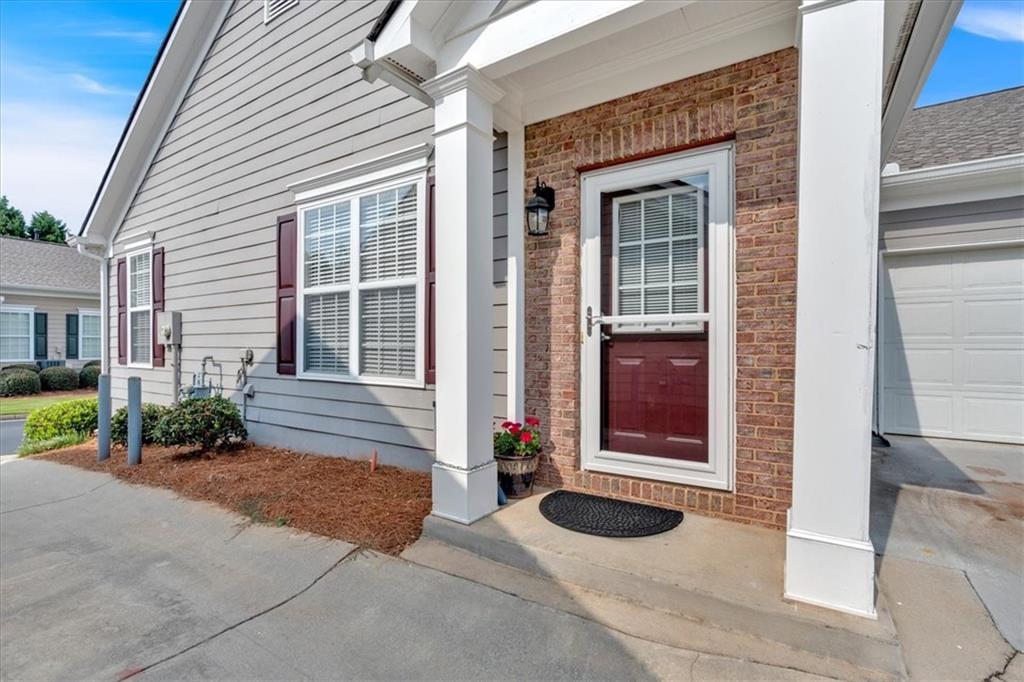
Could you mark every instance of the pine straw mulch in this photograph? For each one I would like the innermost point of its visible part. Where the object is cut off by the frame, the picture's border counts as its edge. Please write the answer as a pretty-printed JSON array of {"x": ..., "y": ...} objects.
[{"x": 329, "y": 496}]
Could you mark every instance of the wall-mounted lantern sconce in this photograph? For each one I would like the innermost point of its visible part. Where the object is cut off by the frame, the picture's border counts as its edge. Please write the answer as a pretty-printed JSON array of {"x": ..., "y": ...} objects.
[{"x": 538, "y": 209}]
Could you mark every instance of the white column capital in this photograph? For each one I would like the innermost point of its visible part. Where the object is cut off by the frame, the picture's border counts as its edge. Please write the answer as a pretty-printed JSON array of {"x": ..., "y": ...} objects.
[{"x": 462, "y": 78}]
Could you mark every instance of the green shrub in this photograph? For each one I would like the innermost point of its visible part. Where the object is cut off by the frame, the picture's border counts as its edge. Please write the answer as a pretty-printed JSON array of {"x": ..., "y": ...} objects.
[
  {"x": 30, "y": 367},
  {"x": 204, "y": 422},
  {"x": 33, "y": 447},
  {"x": 19, "y": 382},
  {"x": 93, "y": 363},
  {"x": 89, "y": 376},
  {"x": 151, "y": 416},
  {"x": 61, "y": 419},
  {"x": 59, "y": 379}
]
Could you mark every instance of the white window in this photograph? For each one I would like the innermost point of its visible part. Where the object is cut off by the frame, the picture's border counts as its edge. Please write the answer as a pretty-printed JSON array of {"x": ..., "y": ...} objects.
[
  {"x": 140, "y": 308},
  {"x": 16, "y": 329},
  {"x": 89, "y": 343},
  {"x": 361, "y": 264}
]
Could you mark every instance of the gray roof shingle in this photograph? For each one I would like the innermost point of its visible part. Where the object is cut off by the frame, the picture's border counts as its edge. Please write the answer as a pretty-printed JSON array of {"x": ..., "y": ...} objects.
[
  {"x": 966, "y": 129},
  {"x": 27, "y": 263}
]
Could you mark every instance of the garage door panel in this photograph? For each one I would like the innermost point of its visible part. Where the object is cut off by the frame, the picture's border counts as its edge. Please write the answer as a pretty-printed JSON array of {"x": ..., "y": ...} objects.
[{"x": 953, "y": 344}]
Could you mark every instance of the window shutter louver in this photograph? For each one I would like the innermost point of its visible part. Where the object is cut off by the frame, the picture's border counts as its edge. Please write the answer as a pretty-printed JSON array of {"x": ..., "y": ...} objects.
[
  {"x": 122, "y": 311},
  {"x": 40, "y": 340},
  {"x": 431, "y": 300},
  {"x": 158, "y": 304},
  {"x": 71, "y": 336},
  {"x": 287, "y": 255}
]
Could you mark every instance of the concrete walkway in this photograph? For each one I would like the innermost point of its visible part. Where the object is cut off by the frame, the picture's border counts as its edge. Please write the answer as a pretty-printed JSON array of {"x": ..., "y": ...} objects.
[
  {"x": 102, "y": 580},
  {"x": 11, "y": 431}
]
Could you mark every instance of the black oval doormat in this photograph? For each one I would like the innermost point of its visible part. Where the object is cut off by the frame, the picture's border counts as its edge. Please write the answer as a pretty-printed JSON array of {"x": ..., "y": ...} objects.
[{"x": 609, "y": 518}]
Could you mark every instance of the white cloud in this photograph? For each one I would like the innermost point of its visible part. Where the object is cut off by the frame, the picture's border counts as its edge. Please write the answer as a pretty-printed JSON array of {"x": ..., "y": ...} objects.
[
  {"x": 52, "y": 158},
  {"x": 142, "y": 37},
  {"x": 94, "y": 87},
  {"x": 996, "y": 20}
]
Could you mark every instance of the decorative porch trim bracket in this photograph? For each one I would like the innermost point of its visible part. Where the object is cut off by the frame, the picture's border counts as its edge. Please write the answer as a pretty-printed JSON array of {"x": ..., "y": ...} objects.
[
  {"x": 464, "y": 478},
  {"x": 830, "y": 561}
]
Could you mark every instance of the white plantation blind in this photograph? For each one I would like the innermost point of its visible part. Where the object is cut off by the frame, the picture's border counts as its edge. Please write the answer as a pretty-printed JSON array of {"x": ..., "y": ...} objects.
[
  {"x": 89, "y": 335},
  {"x": 659, "y": 254},
  {"x": 141, "y": 340},
  {"x": 15, "y": 335},
  {"x": 361, "y": 285},
  {"x": 388, "y": 332},
  {"x": 140, "y": 307},
  {"x": 140, "y": 285}
]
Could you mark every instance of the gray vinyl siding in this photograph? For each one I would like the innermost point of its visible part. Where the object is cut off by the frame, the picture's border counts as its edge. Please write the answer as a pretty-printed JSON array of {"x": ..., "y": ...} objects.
[
  {"x": 271, "y": 105},
  {"x": 56, "y": 308},
  {"x": 500, "y": 256},
  {"x": 976, "y": 222}
]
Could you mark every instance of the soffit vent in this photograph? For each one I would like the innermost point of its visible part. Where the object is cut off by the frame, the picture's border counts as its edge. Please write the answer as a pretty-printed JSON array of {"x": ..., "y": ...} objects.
[
  {"x": 404, "y": 69},
  {"x": 273, "y": 8}
]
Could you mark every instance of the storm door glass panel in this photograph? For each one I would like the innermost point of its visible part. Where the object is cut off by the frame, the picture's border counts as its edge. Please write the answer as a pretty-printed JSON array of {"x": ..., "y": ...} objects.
[{"x": 655, "y": 374}]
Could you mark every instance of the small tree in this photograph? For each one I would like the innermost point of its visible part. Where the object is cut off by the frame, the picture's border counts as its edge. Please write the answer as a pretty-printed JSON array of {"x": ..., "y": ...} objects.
[
  {"x": 46, "y": 228},
  {"x": 12, "y": 222}
]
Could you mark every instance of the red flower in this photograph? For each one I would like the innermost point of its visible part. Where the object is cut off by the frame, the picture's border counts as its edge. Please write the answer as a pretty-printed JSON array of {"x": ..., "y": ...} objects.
[
  {"x": 526, "y": 437},
  {"x": 515, "y": 428},
  {"x": 506, "y": 425},
  {"x": 532, "y": 421}
]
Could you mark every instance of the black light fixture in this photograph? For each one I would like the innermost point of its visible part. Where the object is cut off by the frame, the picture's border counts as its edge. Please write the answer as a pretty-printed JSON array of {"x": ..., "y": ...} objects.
[{"x": 538, "y": 209}]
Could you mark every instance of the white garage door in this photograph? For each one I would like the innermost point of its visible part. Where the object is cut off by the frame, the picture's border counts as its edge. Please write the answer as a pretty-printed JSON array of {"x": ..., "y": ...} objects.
[{"x": 952, "y": 362}]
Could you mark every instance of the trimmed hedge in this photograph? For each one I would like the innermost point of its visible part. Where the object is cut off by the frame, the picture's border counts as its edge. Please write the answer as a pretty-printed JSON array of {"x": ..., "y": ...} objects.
[
  {"x": 29, "y": 367},
  {"x": 209, "y": 423},
  {"x": 19, "y": 382},
  {"x": 89, "y": 377},
  {"x": 151, "y": 416},
  {"x": 59, "y": 379},
  {"x": 71, "y": 416},
  {"x": 93, "y": 363}
]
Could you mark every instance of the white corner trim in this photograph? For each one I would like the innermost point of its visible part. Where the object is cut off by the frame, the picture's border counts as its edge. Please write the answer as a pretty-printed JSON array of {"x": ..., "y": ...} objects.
[
  {"x": 364, "y": 174},
  {"x": 992, "y": 178},
  {"x": 463, "y": 78}
]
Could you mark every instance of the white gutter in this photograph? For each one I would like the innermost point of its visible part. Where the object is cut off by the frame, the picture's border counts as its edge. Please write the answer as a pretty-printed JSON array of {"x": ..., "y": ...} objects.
[
  {"x": 104, "y": 301},
  {"x": 979, "y": 180}
]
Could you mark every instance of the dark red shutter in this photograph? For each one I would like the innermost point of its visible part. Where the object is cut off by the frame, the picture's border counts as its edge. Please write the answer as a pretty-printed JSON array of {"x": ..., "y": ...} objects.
[
  {"x": 431, "y": 293},
  {"x": 287, "y": 263},
  {"x": 122, "y": 311},
  {"x": 158, "y": 304}
]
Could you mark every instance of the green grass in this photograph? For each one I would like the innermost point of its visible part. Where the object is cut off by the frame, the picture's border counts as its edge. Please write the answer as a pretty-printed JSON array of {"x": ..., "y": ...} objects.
[
  {"x": 25, "y": 404},
  {"x": 56, "y": 443}
]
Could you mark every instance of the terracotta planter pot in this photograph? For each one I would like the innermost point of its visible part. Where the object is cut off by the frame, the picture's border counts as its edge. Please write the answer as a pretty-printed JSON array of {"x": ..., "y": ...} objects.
[{"x": 515, "y": 475}]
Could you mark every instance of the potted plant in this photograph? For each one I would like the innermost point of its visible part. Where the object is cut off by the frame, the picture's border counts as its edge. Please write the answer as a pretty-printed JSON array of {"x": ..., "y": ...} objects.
[{"x": 516, "y": 448}]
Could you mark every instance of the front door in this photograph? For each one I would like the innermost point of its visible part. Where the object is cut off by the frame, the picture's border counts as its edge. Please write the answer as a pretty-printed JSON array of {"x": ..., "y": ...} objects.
[{"x": 657, "y": 319}]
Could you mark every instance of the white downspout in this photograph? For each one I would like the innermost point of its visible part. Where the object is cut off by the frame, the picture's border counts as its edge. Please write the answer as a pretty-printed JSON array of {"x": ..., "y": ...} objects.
[{"x": 104, "y": 305}]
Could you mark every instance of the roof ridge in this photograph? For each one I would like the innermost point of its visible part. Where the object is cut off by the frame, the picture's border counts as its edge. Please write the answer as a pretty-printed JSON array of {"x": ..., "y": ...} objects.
[
  {"x": 962, "y": 99},
  {"x": 33, "y": 241}
]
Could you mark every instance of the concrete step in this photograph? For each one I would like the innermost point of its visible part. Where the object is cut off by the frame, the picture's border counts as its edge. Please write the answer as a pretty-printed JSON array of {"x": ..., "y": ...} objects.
[{"x": 809, "y": 639}]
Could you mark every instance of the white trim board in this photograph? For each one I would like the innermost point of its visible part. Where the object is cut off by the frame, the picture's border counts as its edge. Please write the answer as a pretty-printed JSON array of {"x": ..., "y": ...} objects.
[{"x": 717, "y": 473}]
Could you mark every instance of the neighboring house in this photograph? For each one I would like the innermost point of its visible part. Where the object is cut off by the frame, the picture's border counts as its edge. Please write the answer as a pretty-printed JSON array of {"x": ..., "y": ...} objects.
[
  {"x": 951, "y": 334},
  {"x": 339, "y": 187},
  {"x": 49, "y": 304}
]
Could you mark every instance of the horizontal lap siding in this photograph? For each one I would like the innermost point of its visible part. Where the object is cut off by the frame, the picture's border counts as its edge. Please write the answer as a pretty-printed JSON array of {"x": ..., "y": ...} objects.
[{"x": 271, "y": 105}]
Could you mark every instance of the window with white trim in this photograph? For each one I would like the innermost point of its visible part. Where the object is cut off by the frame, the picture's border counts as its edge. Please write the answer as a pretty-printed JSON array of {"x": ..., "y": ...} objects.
[
  {"x": 16, "y": 334},
  {"x": 89, "y": 343},
  {"x": 140, "y": 308},
  {"x": 361, "y": 267}
]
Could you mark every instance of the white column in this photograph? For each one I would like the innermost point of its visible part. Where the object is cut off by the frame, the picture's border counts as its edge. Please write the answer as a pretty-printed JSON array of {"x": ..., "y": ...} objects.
[
  {"x": 829, "y": 556},
  {"x": 464, "y": 476}
]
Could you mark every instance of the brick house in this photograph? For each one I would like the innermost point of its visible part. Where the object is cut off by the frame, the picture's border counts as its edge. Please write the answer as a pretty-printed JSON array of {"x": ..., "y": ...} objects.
[{"x": 338, "y": 187}]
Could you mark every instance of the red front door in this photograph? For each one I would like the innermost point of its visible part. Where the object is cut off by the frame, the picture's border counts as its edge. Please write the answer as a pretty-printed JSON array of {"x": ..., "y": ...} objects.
[{"x": 654, "y": 388}]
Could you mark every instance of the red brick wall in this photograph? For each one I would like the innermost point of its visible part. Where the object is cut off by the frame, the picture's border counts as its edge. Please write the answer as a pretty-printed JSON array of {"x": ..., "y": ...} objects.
[{"x": 756, "y": 101}]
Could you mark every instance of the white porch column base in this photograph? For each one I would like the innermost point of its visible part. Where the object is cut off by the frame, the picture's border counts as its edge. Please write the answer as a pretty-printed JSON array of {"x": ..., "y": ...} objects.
[
  {"x": 832, "y": 572},
  {"x": 464, "y": 495}
]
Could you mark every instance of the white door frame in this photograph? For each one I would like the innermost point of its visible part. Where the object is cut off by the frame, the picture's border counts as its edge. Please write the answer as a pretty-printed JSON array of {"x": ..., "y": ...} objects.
[
  {"x": 880, "y": 418},
  {"x": 717, "y": 162}
]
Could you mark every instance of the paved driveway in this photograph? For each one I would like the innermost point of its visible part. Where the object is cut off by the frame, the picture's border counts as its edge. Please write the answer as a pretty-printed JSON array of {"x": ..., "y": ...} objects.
[
  {"x": 103, "y": 580},
  {"x": 10, "y": 435}
]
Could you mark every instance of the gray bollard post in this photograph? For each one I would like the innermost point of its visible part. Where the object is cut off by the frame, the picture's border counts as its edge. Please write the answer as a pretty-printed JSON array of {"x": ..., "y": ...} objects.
[
  {"x": 103, "y": 424},
  {"x": 134, "y": 421}
]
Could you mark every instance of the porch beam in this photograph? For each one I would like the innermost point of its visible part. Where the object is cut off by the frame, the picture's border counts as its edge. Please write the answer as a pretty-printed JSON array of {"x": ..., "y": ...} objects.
[
  {"x": 829, "y": 556},
  {"x": 464, "y": 476}
]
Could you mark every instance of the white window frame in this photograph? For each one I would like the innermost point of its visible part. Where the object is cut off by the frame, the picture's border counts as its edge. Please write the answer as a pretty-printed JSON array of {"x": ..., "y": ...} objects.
[
  {"x": 31, "y": 311},
  {"x": 83, "y": 313},
  {"x": 672, "y": 327},
  {"x": 354, "y": 287},
  {"x": 130, "y": 309},
  {"x": 718, "y": 472}
]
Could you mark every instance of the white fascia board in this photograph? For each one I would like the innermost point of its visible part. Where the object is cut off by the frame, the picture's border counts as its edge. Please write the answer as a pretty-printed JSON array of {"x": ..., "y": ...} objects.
[
  {"x": 407, "y": 38},
  {"x": 954, "y": 183},
  {"x": 187, "y": 46},
  {"x": 363, "y": 174},
  {"x": 543, "y": 30}
]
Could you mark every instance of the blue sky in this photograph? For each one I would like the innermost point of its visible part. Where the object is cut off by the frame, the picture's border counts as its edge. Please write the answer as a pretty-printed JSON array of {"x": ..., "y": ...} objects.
[{"x": 70, "y": 71}]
